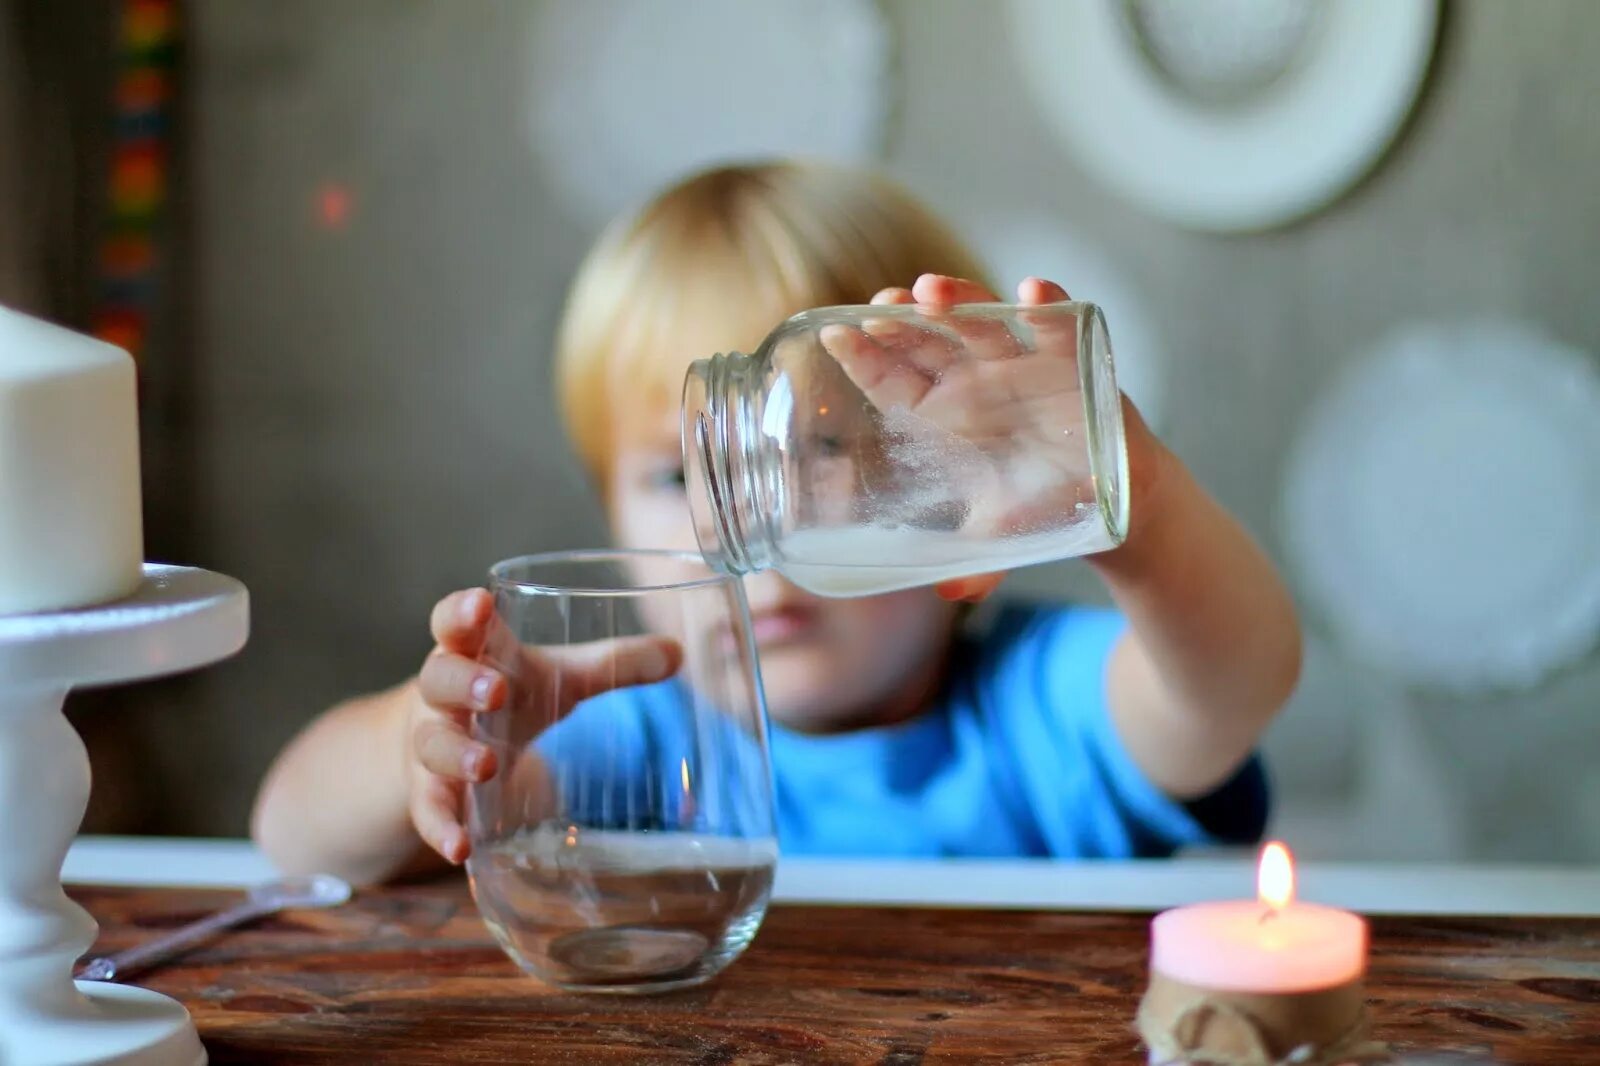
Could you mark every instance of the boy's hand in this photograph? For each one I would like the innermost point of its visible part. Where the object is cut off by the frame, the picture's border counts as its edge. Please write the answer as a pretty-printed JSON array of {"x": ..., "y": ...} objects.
[
  {"x": 479, "y": 667},
  {"x": 1006, "y": 393}
]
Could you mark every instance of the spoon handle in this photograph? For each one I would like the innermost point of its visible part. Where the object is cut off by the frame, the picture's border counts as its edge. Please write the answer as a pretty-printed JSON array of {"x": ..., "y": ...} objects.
[{"x": 160, "y": 948}]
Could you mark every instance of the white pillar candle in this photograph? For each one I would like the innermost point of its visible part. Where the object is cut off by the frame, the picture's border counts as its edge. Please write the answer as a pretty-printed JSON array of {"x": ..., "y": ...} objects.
[{"x": 71, "y": 524}]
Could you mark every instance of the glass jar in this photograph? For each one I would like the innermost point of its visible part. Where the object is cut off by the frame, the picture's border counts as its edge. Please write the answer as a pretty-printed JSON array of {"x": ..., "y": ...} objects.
[{"x": 860, "y": 450}]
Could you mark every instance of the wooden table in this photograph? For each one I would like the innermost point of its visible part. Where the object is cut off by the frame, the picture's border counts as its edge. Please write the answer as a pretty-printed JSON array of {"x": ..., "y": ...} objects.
[{"x": 409, "y": 975}]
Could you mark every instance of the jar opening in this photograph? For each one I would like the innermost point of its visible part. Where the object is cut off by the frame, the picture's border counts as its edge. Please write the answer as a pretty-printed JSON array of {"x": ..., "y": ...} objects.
[{"x": 1108, "y": 443}]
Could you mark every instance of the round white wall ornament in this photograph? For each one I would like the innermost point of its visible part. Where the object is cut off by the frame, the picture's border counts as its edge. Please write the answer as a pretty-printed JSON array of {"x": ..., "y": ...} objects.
[
  {"x": 629, "y": 95},
  {"x": 1226, "y": 114},
  {"x": 1016, "y": 246},
  {"x": 1441, "y": 505}
]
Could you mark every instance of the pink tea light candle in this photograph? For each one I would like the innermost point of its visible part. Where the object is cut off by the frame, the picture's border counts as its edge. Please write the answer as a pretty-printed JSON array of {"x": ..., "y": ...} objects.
[{"x": 1258, "y": 982}]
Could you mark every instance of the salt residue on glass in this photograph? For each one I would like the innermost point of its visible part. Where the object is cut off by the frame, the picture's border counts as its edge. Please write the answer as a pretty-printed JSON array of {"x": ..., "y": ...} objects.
[
  {"x": 866, "y": 560},
  {"x": 935, "y": 466},
  {"x": 937, "y": 472}
]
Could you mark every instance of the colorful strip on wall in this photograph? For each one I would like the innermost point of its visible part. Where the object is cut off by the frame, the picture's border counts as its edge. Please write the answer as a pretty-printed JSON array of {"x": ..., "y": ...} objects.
[{"x": 142, "y": 99}]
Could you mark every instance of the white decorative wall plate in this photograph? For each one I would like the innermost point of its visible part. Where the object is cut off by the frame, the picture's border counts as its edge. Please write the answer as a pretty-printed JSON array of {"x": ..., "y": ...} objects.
[
  {"x": 1441, "y": 507},
  {"x": 1226, "y": 114},
  {"x": 1015, "y": 246},
  {"x": 628, "y": 95}
]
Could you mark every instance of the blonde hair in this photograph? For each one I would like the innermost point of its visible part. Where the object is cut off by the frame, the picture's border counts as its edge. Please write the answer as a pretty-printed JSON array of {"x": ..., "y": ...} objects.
[{"x": 711, "y": 265}]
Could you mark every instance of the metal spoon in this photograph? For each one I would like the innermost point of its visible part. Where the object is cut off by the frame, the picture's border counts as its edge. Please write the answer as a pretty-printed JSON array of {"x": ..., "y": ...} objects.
[{"x": 291, "y": 893}]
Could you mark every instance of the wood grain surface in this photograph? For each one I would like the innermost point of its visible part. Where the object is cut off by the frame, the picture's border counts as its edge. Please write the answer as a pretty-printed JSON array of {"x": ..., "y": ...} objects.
[{"x": 410, "y": 975}]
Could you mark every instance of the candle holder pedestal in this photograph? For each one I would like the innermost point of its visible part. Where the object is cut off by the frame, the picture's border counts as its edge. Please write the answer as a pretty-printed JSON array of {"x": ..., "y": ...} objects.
[
  {"x": 1185, "y": 1025},
  {"x": 178, "y": 619}
]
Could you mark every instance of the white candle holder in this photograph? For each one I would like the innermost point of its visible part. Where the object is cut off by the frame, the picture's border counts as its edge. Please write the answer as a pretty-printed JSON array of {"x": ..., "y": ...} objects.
[{"x": 179, "y": 619}]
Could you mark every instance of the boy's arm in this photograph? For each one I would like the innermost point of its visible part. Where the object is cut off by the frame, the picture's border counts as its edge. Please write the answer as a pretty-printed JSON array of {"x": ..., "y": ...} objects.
[
  {"x": 336, "y": 799},
  {"x": 1213, "y": 649}
]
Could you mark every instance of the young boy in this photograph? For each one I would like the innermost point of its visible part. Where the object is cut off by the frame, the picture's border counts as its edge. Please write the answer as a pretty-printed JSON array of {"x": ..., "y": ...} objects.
[{"x": 1064, "y": 731}]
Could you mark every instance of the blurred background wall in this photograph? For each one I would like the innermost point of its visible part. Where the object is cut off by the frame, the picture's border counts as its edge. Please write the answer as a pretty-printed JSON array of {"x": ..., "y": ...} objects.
[{"x": 369, "y": 259}]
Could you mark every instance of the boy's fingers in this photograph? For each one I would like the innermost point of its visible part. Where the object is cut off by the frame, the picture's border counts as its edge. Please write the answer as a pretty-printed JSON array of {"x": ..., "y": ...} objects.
[
  {"x": 459, "y": 620},
  {"x": 577, "y": 672},
  {"x": 888, "y": 379},
  {"x": 937, "y": 289},
  {"x": 436, "y": 815},
  {"x": 585, "y": 670},
  {"x": 1040, "y": 291},
  {"x": 986, "y": 339},
  {"x": 1054, "y": 335},
  {"x": 895, "y": 333},
  {"x": 443, "y": 748},
  {"x": 450, "y": 681},
  {"x": 970, "y": 589},
  {"x": 501, "y": 649}
]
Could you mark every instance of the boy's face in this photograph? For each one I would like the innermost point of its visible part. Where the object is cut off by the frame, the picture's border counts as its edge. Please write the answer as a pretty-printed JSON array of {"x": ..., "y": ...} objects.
[{"x": 827, "y": 664}]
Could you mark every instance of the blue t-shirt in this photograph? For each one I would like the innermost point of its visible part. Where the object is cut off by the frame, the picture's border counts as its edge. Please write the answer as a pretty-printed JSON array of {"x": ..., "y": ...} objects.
[{"x": 1017, "y": 756}]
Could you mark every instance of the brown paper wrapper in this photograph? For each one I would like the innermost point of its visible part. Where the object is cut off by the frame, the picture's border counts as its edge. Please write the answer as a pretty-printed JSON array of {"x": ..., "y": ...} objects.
[{"x": 1196, "y": 1026}]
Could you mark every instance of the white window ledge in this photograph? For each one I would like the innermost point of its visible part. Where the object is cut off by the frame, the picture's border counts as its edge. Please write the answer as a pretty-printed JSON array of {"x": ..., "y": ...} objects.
[{"x": 1372, "y": 888}]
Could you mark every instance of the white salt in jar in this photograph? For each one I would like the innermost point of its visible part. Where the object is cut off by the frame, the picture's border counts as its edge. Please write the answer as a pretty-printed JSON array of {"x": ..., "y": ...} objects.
[{"x": 860, "y": 450}]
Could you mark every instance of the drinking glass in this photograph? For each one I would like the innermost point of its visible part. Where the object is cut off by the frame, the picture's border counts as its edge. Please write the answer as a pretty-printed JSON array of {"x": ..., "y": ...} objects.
[{"x": 626, "y": 842}]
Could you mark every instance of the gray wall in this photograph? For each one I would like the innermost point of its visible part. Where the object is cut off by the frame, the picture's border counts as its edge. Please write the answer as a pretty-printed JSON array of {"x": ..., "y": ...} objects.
[{"x": 372, "y": 425}]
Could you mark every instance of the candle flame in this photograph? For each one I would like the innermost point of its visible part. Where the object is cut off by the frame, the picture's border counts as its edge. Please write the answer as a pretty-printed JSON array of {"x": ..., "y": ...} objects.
[
  {"x": 1275, "y": 878},
  {"x": 683, "y": 766}
]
